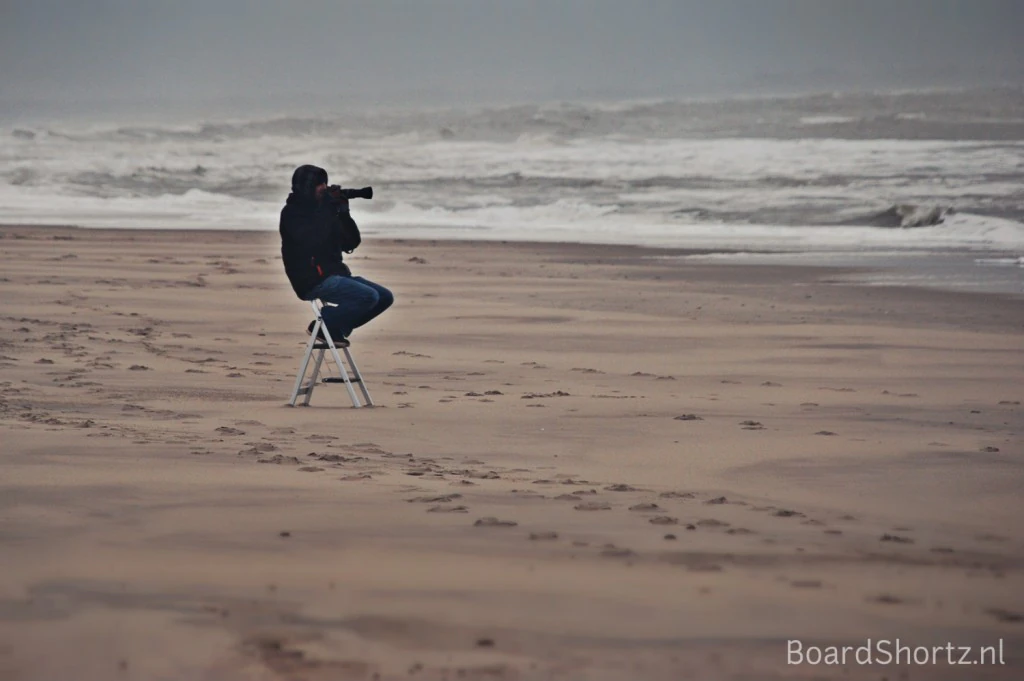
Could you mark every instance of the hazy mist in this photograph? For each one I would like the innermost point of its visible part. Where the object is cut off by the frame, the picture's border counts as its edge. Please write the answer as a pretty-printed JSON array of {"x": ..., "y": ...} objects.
[{"x": 80, "y": 54}]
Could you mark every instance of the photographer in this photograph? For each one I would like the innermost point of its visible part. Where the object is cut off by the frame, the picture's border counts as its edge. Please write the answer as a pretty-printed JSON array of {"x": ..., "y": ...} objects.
[{"x": 316, "y": 228}]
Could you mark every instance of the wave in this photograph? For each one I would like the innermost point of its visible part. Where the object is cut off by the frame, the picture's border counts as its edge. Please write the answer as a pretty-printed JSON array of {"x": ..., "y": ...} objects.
[
  {"x": 1001, "y": 262},
  {"x": 906, "y": 215},
  {"x": 619, "y": 172},
  {"x": 983, "y": 113}
]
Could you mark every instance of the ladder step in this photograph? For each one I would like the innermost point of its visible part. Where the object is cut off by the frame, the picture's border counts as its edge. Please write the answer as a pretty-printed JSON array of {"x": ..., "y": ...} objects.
[{"x": 335, "y": 379}]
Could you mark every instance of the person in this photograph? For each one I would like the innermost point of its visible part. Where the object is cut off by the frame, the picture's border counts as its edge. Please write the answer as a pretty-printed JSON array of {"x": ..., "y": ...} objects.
[{"x": 316, "y": 228}]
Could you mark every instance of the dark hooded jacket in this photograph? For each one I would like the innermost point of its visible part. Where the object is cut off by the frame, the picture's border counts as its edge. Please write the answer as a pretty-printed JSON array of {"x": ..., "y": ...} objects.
[{"x": 314, "y": 233}]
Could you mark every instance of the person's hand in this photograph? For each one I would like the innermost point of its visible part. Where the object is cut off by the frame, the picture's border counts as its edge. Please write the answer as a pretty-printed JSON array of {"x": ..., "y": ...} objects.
[{"x": 333, "y": 194}]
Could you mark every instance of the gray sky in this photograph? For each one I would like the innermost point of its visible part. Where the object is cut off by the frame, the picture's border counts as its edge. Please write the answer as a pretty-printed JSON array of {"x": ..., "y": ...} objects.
[{"x": 457, "y": 50}]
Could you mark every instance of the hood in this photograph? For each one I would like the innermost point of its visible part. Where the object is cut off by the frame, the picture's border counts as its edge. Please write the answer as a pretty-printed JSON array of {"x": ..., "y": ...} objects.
[{"x": 305, "y": 180}]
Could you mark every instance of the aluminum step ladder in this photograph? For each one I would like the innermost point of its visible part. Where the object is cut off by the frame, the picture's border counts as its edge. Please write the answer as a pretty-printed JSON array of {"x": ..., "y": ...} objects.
[{"x": 321, "y": 343}]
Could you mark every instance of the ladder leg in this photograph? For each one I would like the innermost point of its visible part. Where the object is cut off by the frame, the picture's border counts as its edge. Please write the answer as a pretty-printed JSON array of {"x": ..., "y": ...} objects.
[
  {"x": 341, "y": 367},
  {"x": 344, "y": 376},
  {"x": 358, "y": 376},
  {"x": 302, "y": 371},
  {"x": 316, "y": 376}
]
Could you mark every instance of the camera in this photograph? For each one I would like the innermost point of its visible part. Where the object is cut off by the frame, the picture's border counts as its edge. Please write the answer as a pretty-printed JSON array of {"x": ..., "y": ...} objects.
[{"x": 334, "y": 191}]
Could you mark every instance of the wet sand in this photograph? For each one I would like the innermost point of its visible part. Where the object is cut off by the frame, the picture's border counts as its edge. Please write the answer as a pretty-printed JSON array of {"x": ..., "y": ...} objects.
[{"x": 585, "y": 462}]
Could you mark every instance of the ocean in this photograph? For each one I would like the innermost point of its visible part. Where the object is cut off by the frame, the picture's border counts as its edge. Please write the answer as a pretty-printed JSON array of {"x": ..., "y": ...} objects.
[{"x": 927, "y": 187}]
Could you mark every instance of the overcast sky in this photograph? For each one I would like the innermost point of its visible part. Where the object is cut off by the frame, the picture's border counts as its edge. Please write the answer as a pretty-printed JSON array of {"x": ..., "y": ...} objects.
[{"x": 457, "y": 50}]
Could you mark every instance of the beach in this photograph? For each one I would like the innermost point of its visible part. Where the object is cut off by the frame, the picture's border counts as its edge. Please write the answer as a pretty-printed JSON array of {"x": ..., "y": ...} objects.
[{"x": 587, "y": 462}]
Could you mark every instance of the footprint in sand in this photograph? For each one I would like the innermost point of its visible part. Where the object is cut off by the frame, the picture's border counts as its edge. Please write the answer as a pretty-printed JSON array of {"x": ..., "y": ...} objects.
[
  {"x": 257, "y": 448},
  {"x": 663, "y": 520},
  {"x": 543, "y": 536},
  {"x": 620, "y": 487},
  {"x": 443, "y": 499},
  {"x": 321, "y": 438},
  {"x": 557, "y": 393},
  {"x": 448, "y": 509},
  {"x": 526, "y": 494},
  {"x": 645, "y": 508},
  {"x": 337, "y": 458},
  {"x": 280, "y": 459},
  {"x": 593, "y": 506},
  {"x": 491, "y": 521},
  {"x": 896, "y": 539},
  {"x": 612, "y": 551}
]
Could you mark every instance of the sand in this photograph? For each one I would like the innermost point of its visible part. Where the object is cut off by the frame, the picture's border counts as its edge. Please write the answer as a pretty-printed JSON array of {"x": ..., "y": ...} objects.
[{"x": 585, "y": 462}]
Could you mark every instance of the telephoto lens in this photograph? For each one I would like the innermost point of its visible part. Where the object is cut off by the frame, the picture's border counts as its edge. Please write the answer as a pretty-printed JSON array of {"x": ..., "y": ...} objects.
[{"x": 364, "y": 193}]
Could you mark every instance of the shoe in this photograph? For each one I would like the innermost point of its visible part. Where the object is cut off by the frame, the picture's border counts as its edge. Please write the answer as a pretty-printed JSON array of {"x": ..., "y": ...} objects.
[
  {"x": 339, "y": 340},
  {"x": 319, "y": 333}
]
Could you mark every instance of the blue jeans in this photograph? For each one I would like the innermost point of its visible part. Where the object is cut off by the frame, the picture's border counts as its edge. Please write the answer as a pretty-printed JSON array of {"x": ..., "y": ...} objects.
[{"x": 349, "y": 302}]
